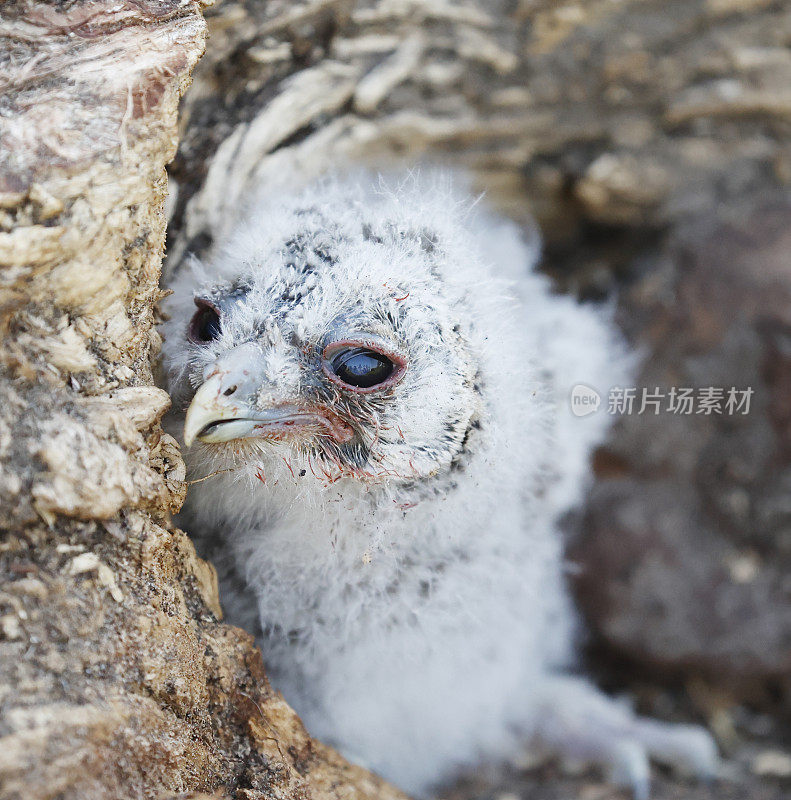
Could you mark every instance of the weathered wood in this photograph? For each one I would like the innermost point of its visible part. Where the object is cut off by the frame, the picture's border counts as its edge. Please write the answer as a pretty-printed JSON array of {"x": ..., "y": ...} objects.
[{"x": 630, "y": 115}]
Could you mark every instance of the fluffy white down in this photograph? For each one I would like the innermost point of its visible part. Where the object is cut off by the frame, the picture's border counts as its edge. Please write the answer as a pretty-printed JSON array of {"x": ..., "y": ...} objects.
[{"x": 412, "y": 628}]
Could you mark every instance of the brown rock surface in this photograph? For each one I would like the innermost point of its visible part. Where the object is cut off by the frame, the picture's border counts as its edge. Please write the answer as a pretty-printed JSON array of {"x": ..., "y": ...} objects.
[{"x": 686, "y": 553}]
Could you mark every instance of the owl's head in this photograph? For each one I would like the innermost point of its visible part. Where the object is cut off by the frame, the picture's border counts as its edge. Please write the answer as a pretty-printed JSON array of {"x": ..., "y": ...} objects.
[{"x": 335, "y": 333}]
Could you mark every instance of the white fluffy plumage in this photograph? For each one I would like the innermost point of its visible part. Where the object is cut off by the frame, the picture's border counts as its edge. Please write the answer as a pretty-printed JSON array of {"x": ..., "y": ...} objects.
[{"x": 407, "y": 586}]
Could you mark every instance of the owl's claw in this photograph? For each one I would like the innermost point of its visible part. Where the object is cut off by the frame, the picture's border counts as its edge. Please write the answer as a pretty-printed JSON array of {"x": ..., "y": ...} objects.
[
  {"x": 689, "y": 749},
  {"x": 630, "y": 769},
  {"x": 581, "y": 722}
]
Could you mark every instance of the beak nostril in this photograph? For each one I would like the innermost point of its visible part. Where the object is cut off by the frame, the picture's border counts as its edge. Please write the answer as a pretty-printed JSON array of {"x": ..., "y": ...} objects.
[{"x": 230, "y": 390}]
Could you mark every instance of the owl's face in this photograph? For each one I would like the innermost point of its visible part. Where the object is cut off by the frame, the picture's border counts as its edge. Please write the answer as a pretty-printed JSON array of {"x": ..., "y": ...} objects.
[{"x": 331, "y": 344}]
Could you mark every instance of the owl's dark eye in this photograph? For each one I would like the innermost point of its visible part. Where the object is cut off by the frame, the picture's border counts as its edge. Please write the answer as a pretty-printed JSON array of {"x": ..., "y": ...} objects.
[
  {"x": 205, "y": 324},
  {"x": 362, "y": 365},
  {"x": 361, "y": 368}
]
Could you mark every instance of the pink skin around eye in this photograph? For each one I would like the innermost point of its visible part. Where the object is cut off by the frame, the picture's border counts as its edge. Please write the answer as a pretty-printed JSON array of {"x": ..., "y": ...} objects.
[{"x": 399, "y": 364}]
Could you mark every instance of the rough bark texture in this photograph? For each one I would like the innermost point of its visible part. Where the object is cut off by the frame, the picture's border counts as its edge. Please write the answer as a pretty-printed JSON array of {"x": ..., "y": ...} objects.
[
  {"x": 622, "y": 115},
  {"x": 117, "y": 679},
  {"x": 650, "y": 139}
]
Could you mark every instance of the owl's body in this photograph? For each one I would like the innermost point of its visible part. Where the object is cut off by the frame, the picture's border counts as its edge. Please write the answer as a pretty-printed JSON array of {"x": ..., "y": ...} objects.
[{"x": 400, "y": 557}]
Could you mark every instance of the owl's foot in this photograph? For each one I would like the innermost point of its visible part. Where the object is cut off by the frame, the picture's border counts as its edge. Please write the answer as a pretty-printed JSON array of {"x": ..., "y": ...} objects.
[{"x": 580, "y": 723}]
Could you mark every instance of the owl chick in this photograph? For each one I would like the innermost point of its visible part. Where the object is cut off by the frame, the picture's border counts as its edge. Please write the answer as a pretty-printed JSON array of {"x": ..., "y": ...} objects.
[{"x": 376, "y": 390}]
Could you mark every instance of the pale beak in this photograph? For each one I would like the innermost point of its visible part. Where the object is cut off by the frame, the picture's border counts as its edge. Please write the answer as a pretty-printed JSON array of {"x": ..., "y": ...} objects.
[{"x": 216, "y": 415}]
